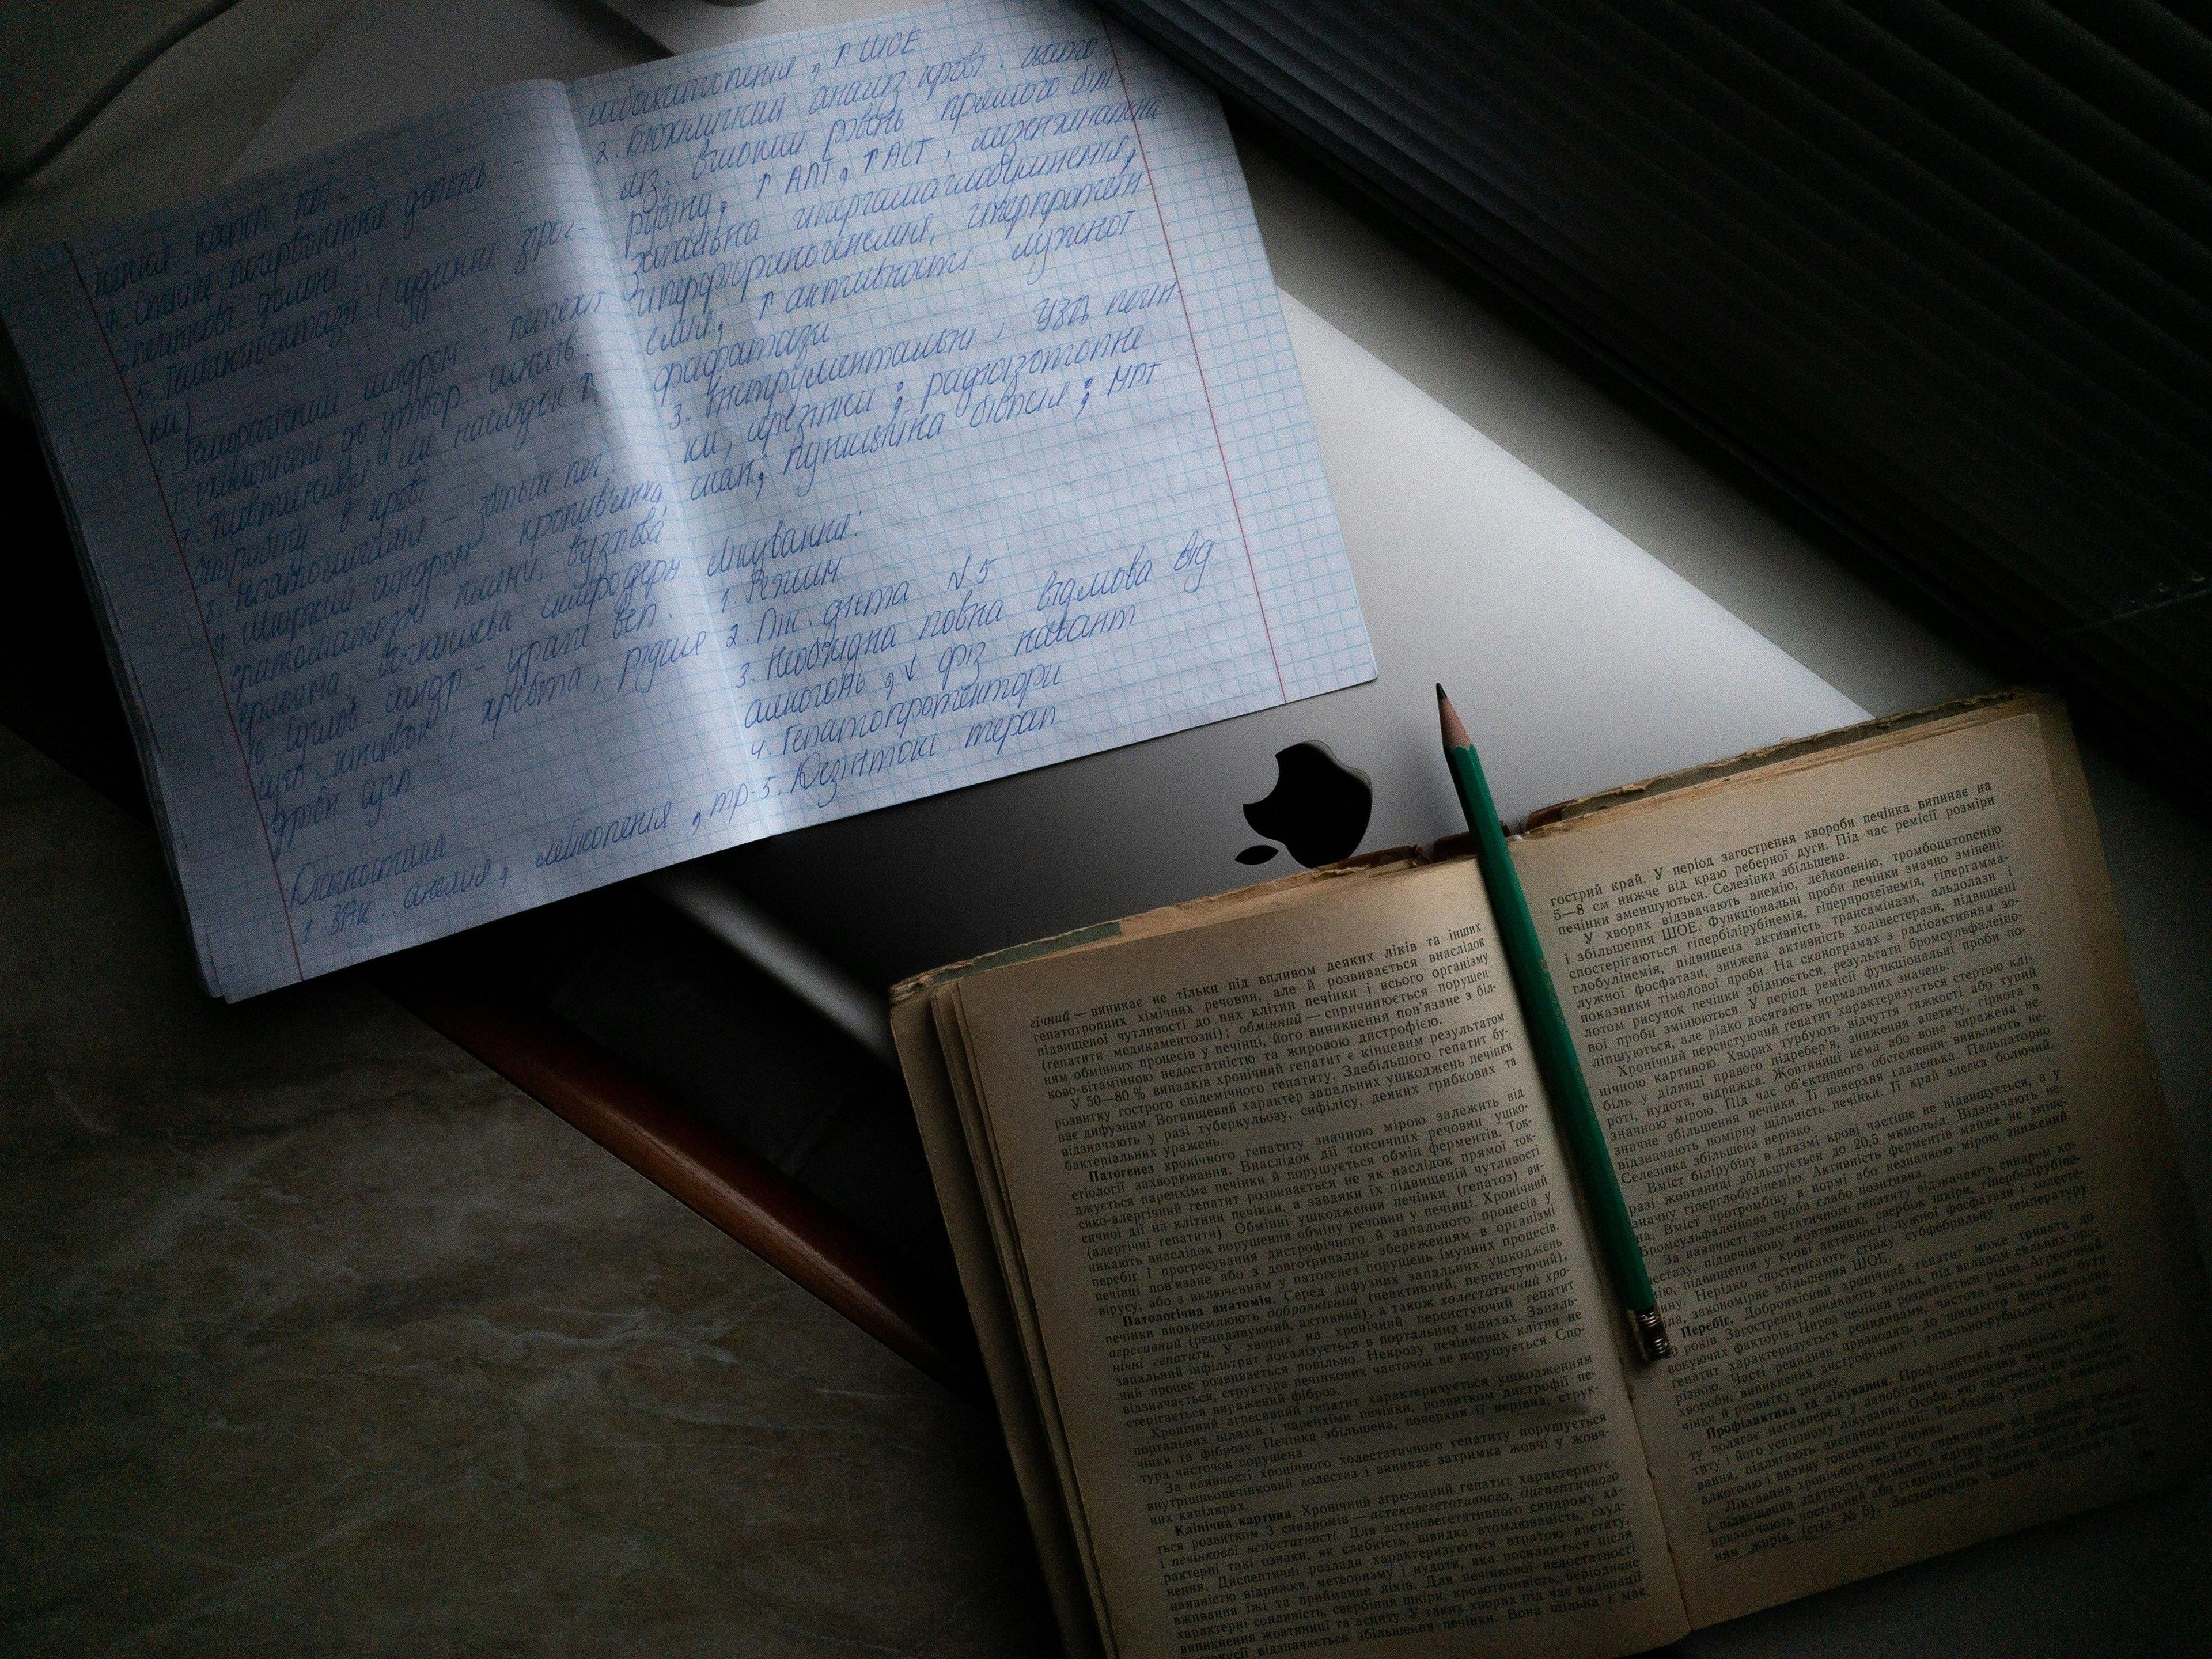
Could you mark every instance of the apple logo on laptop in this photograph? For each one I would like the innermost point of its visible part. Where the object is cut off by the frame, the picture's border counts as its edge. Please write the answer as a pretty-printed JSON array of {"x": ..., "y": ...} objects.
[{"x": 1318, "y": 809}]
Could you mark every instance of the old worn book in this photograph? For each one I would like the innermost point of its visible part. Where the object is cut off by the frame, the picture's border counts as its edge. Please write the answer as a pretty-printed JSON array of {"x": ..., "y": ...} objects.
[{"x": 1293, "y": 1319}]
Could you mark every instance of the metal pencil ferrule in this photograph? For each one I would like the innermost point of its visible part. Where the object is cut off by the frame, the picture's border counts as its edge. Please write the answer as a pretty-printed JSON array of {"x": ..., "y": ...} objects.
[{"x": 1649, "y": 1331}]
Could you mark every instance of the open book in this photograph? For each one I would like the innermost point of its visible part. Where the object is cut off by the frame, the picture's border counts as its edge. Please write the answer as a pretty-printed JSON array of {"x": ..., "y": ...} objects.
[
  {"x": 1298, "y": 1336},
  {"x": 592, "y": 476}
]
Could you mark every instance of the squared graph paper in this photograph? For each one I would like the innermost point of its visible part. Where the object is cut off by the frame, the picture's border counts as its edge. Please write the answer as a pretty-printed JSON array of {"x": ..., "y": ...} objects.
[{"x": 588, "y": 478}]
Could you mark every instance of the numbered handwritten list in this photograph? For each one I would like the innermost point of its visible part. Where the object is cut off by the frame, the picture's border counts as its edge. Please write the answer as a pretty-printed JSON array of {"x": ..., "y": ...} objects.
[{"x": 590, "y": 477}]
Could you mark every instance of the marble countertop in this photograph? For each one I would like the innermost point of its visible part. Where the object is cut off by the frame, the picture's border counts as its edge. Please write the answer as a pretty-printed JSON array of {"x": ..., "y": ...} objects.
[{"x": 321, "y": 1338}]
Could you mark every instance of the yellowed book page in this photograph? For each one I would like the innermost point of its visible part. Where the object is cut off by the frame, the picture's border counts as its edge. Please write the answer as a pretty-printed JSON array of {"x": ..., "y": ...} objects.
[
  {"x": 1021, "y": 1302},
  {"x": 933, "y": 1053},
  {"x": 1334, "y": 1366},
  {"x": 1860, "y": 1034},
  {"x": 1029, "y": 1443}
]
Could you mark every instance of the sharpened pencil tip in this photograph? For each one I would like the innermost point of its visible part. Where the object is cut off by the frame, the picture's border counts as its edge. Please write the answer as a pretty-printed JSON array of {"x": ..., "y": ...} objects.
[
  {"x": 1440, "y": 691},
  {"x": 1455, "y": 729}
]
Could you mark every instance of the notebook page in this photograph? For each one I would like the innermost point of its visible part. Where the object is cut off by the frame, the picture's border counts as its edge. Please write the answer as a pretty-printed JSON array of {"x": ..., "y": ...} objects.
[
  {"x": 544, "y": 523},
  {"x": 387, "y": 549},
  {"x": 963, "y": 333}
]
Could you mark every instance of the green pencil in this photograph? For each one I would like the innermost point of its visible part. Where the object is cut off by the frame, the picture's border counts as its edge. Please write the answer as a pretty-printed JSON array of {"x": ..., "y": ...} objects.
[{"x": 1556, "y": 1059}]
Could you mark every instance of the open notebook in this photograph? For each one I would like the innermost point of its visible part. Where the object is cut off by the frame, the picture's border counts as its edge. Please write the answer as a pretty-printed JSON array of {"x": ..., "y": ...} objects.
[{"x": 589, "y": 478}]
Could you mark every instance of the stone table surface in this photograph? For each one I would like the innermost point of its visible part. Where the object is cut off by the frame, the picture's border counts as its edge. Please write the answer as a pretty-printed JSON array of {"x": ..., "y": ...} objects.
[{"x": 317, "y": 1337}]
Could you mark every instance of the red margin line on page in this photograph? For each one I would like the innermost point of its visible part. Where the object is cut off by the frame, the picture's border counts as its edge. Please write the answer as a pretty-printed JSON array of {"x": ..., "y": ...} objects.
[
  {"x": 1198, "y": 363},
  {"x": 176, "y": 541}
]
